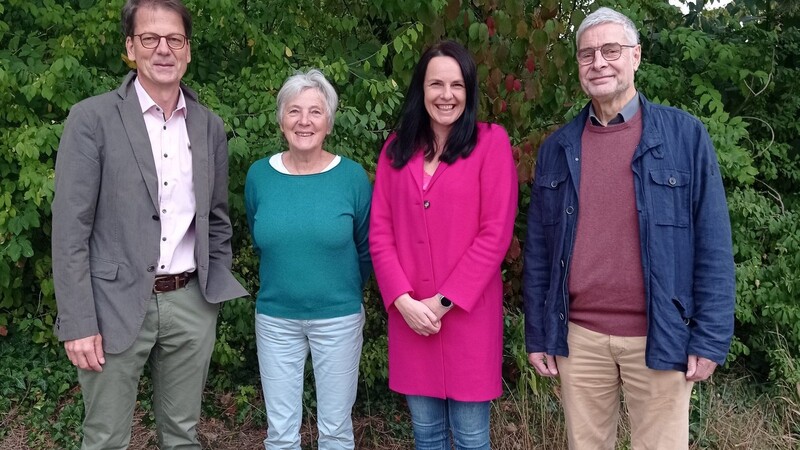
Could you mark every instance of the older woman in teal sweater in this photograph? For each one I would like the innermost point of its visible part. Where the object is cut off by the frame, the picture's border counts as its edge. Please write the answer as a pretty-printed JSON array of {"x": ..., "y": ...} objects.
[{"x": 308, "y": 212}]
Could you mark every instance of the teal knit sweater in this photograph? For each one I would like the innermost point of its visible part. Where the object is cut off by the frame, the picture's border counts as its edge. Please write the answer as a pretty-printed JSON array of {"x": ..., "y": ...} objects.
[{"x": 311, "y": 233}]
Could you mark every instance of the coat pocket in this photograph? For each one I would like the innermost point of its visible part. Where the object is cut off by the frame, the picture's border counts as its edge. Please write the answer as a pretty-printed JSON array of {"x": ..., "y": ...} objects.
[
  {"x": 670, "y": 197},
  {"x": 552, "y": 188},
  {"x": 105, "y": 270}
]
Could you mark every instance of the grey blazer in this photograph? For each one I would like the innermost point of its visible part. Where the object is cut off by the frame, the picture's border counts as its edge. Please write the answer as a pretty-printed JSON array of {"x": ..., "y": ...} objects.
[{"x": 106, "y": 225}]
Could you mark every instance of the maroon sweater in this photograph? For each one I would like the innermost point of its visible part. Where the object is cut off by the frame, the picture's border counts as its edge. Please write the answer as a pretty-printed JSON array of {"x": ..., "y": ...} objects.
[{"x": 606, "y": 284}]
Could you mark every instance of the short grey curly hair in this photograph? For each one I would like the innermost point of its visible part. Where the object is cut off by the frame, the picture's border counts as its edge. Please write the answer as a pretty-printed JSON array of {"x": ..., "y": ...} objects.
[{"x": 299, "y": 82}]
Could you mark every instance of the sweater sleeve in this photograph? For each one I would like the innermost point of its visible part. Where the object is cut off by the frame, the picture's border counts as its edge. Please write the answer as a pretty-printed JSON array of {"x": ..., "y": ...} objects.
[
  {"x": 498, "y": 208},
  {"x": 251, "y": 200},
  {"x": 361, "y": 222},
  {"x": 392, "y": 280}
]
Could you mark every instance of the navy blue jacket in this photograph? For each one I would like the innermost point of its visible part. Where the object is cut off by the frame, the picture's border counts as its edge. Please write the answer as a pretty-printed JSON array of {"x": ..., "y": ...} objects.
[{"x": 685, "y": 233}]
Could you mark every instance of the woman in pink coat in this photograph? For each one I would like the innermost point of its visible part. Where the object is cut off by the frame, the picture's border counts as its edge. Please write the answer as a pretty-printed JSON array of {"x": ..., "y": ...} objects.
[{"x": 442, "y": 218}]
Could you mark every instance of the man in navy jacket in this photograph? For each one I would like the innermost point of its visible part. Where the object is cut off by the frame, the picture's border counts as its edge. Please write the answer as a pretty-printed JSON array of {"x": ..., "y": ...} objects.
[{"x": 629, "y": 278}]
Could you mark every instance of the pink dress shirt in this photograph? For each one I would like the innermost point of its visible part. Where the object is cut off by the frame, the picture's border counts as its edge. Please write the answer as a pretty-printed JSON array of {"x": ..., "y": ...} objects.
[{"x": 172, "y": 153}]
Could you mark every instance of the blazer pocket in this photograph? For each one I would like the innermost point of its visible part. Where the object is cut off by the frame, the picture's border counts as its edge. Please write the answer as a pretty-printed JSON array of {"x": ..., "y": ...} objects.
[{"x": 105, "y": 270}]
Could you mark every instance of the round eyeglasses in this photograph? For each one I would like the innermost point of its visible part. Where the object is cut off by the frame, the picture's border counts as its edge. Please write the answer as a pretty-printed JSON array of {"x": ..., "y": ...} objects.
[
  {"x": 611, "y": 52},
  {"x": 175, "y": 41}
]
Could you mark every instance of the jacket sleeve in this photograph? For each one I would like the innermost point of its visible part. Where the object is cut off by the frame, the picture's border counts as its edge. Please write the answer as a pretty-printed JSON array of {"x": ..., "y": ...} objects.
[
  {"x": 77, "y": 184},
  {"x": 219, "y": 224},
  {"x": 392, "y": 280},
  {"x": 499, "y": 188},
  {"x": 714, "y": 284},
  {"x": 536, "y": 269}
]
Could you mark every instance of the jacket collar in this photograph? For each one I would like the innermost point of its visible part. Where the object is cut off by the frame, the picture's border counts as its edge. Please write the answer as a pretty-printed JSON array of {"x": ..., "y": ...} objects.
[
  {"x": 652, "y": 137},
  {"x": 416, "y": 167}
]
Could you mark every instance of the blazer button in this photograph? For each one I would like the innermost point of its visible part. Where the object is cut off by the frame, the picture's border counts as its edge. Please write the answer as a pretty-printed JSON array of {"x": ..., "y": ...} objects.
[
  {"x": 426, "y": 204},
  {"x": 155, "y": 217},
  {"x": 151, "y": 268}
]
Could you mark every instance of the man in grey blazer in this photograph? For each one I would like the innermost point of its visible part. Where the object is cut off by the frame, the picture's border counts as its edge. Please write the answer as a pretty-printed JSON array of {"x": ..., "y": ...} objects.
[{"x": 141, "y": 236}]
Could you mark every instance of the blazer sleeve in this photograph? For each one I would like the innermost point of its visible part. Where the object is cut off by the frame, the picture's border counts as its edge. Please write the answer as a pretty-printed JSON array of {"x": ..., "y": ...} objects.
[
  {"x": 392, "y": 280},
  {"x": 77, "y": 184},
  {"x": 220, "y": 231},
  {"x": 499, "y": 188}
]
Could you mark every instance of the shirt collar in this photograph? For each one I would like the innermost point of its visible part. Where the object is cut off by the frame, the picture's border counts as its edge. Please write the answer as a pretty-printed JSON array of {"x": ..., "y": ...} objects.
[
  {"x": 146, "y": 102},
  {"x": 628, "y": 111}
]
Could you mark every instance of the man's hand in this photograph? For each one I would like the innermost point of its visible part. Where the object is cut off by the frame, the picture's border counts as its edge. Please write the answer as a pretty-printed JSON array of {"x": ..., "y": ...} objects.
[
  {"x": 417, "y": 315},
  {"x": 544, "y": 364},
  {"x": 86, "y": 353},
  {"x": 699, "y": 368}
]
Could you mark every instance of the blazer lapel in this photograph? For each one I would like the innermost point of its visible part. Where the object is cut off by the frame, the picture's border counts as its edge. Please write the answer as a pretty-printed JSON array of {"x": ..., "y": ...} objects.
[
  {"x": 416, "y": 165},
  {"x": 198, "y": 144},
  {"x": 131, "y": 112}
]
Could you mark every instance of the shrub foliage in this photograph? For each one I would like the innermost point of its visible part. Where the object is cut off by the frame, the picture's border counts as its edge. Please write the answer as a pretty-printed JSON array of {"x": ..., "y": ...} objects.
[{"x": 736, "y": 68}]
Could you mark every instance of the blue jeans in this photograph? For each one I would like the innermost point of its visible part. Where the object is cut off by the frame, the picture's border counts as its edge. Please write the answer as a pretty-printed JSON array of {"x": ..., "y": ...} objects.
[
  {"x": 434, "y": 419},
  {"x": 283, "y": 346}
]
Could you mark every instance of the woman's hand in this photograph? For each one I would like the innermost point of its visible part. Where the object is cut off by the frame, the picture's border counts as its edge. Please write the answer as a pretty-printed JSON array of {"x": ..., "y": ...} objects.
[
  {"x": 435, "y": 305},
  {"x": 417, "y": 315}
]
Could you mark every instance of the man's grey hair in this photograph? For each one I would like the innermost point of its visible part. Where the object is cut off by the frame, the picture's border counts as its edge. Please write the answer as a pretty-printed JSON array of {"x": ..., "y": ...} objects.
[
  {"x": 299, "y": 82},
  {"x": 607, "y": 15}
]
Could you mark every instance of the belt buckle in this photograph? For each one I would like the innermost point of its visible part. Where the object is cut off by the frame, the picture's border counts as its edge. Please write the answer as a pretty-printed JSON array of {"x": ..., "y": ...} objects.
[{"x": 166, "y": 279}]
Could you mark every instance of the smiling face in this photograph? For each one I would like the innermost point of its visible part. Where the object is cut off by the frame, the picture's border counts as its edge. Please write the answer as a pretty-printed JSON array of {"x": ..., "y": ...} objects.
[
  {"x": 445, "y": 94},
  {"x": 609, "y": 83},
  {"x": 159, "y": 69},
  {"x": 305, "y": 121}
]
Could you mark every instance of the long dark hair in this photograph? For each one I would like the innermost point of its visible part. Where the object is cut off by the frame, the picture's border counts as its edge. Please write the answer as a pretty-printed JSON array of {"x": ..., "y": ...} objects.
[{"x": 414, "y": 132}]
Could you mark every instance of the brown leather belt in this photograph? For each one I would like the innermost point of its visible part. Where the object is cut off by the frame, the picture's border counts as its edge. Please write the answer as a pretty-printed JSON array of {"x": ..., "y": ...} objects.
[{"x": 167, "y": 283}]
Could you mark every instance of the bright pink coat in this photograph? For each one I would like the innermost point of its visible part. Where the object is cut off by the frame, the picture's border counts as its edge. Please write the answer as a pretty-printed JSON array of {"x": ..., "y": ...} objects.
[{"x": 450, "y": 239}]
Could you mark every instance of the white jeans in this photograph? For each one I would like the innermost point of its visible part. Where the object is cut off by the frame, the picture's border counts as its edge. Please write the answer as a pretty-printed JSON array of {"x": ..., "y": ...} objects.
[{"x": 283, "y": 346}]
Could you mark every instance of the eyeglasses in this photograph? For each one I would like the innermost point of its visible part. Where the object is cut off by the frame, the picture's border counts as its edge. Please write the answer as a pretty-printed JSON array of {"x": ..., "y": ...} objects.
[
  {"x": 611, "y": 52},
  {"x": 175, "y": 41}
]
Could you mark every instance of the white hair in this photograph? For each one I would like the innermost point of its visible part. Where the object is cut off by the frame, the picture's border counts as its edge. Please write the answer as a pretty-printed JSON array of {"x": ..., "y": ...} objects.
[
  {"x": 299, "y": 82},
  {"x": 607, "y": 15}
]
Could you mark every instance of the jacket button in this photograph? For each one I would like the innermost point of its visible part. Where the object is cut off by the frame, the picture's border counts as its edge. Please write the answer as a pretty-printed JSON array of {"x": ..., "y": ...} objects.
[
  {"x": 561, "y": 316},
  {"x": 151, "y": 268},
  {"x": 553, "y": 184},
  {"x": 426, "y": 204},
  {"x": 570, "y": 210},
  {"x": 672, "y": 181},
  {"x": 155, "y": 217}
]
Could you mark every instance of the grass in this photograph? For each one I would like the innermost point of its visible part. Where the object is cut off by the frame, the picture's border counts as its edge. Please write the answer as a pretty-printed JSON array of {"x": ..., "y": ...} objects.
[{"x": 40, "y": 408}]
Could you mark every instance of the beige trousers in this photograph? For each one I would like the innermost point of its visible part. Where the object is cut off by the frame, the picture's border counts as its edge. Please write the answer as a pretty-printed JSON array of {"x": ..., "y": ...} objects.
[{"x": 599, "y": 366}]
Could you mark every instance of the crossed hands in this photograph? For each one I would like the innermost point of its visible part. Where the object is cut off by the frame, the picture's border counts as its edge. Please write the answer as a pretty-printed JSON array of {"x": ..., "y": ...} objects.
[
  {"x": 423, "y": 316},
  {"x": 86, "y": 353}
]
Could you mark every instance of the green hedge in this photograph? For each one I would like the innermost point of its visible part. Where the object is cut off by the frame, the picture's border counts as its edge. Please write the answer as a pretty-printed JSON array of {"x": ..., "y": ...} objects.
[{"x": 736, "y": 69}]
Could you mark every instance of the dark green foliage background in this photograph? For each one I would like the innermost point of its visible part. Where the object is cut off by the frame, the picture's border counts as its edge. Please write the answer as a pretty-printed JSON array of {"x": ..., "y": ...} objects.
[{"x": 735, "y": 68}]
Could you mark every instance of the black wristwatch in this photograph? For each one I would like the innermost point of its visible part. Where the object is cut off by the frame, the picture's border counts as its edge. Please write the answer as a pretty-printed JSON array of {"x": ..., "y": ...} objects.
[{"x": 445, "y": 302}]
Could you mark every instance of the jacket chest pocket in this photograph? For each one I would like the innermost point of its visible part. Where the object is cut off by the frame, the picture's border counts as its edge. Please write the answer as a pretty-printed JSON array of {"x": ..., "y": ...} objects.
[
  {"x": 669, "y": 196},
  {"x": 552, "y": 189}
]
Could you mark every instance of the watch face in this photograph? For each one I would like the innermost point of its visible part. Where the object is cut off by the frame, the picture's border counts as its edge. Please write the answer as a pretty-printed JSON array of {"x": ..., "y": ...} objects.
[{"x": 444, "y": 301}]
